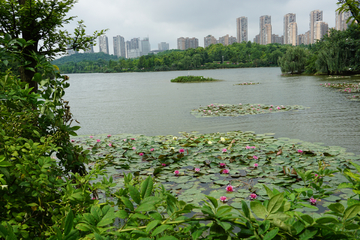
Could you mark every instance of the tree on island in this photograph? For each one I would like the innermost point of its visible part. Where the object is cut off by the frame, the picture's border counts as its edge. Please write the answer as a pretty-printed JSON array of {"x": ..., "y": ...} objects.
[{"x": 39, "y": 23}]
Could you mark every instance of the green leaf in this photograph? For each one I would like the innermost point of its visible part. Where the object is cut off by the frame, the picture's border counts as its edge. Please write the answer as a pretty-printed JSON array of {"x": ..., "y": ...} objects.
[
  {"x": 268, "y": 191},
  {"x": 151, "y": 225},
  {"x": 258, "y": 209},
  {"x": 84, "y": 227},
  {"x": 357, "y": 166},
  {"x": 145, "y": 207},
  {"x": 345, "y": 185},
  {"x": 307, "y": 234},
  {"x": 299, "y": 190},
  {"x": 160, "y": 229},
  {"x": 270, "y": 235},
  {"x": 69, "y": 221},
  {"x": 108, "y": 218},
  {"x": 98, "y": 237},
  {"x": 225, "y": 225},
  {"x": 351, "y": 202},
  {"x": 195, "y": 235},
  {"x": 212, "y": 200},
  {"x": 337, "y": 207},
  {"x": 156, "y": 216},
  {"x": 168, "y": 238},
  {"x": 351, "y": 211},
  {"x": 127, "y": 203},
  {"x": 223, "y": 210},
  {"x": 324, "y": 220},
  {"x": 245, "y": 209},
  {"x": 135, "y": 195},
  {"x": 139, "y": 216},
  {"x": 147, "y": 187},
  {"x": 307, "y": 219},
  {"x": 96, "y": 212},
  {"x": 298, "y": 226},
  {"x": 122, "y": 214},
  {"x": 275, "y": 203}
]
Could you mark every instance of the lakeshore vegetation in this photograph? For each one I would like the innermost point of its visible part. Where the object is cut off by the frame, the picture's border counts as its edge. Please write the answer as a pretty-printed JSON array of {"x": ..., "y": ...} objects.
[
  {"x": 237, "y": 185},
  {"x": 185, "y": 79}
]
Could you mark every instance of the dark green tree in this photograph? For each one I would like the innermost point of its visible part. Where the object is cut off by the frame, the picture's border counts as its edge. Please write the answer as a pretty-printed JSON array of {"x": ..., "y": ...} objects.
[
  {"x": 41, "y": 23},
  {"x": 294, "y": 60}
]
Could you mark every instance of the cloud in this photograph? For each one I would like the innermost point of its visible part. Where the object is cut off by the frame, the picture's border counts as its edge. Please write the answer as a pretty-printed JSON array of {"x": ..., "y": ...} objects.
[{"x": 167, "y": 20}]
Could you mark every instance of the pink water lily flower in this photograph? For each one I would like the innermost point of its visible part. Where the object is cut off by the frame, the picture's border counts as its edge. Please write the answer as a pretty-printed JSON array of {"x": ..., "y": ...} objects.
[
  {"x": 141, "y": 154},
  {"x": 164, "y": 165},
  {"x": 224, "y": 150},
  {"x": 98, "y": 140},
  {"x": 151, "y": 150},
  {"x": 300, "y": 151},
  {"x": 72, "y": 140},
  {"x": 223, "y": 198},
  {"x": 255, "y": 157},
  {"x": 312, "y": 201},
  {"x": 253, "y": 196},
  {"x": 229, "y": 188},
  {"x": 181, "y": 150},
  {"x": 133, "y": 148},
  {"x": 256, "y": 165},
  {"x": 109, "y": 135},
  {"x": 222, "y": 165},
  {"x": 278, "y": 108},
  {"x": 225, "y": 171},
  {"x": 91, "y": 137},
  {"x": 247, "y": 147},
  {"x": 197, "y": 170},
  {"x": 110, "y": 145},
  {"x": 176, "y": 172}
]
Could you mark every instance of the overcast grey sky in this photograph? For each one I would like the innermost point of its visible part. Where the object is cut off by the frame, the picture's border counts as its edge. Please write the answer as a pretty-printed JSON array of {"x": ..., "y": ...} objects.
[{"x": 167, "y": 20}]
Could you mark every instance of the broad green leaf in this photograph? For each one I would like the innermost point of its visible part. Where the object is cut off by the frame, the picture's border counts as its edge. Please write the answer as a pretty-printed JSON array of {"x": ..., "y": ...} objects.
[
  {"x": 351, "y": 211},
  {"x": 270, "y": 235},
  {"x": 139, "y": 216},
  {"x": 84, "y": 227},
  {"x": 225, "y": 225},
  {"x": 207, "y": 210},
  {"x": 299, "y": 190},
  {"x": 268, "y": 191},
  {"x": 145, "y": 207},
  {"x": 213, "y": 201},
  {"x": 96, "y": 212},
  {"x": 337, "y": 207},
  {"x": 135, "y": 195},
  {"x": 298, "y": 226},
  {"x": 323, "y": 220},
  {"x": 127, "y": 203},
  {"x": 223, "y": 210},
  {"x": 69, "y": 221},
  {"x": 307, "y": 219},
  {"x": 195, "y": 235},
  {"x": 146, "y": 187},
  {"x": 98, "y": 237},
  {"x": 258, "y": 209},
  {"x": 345, "y": 185},
  {"x": 160, "y": 229},
  {"x": 275, "y": 203},
  {"x": 351, "y": 202},
  {"x": 122, "y": 214},
  {"x": 156, "y": 216},
  {"x": 245, "y": 209},
  {"x": 168, "y": 238},
  {"x": 151, "y": 225},
  {"x": 357, "y": 166},
  {"x": 308, "y": 234},
  {"x": 108, "y": 218}
]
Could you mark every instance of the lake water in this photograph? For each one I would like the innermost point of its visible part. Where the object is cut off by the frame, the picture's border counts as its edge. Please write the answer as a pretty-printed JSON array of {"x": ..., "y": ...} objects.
[{"x": 149, "y": 104}]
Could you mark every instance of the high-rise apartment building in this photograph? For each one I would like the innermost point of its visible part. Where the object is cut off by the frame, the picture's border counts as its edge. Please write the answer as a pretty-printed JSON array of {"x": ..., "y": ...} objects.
[
  {"x": 208, "y": 40},
  {"x": 133, "y": 48},
  {"x": 341, "y": 19},
  {"x": 185, "y": 43},
  {"x": 293, "y": 32},
  {"x": 242, "y": 29},
  {"x": 163, "y": 46},
  {"x": 145, "y": 46},
  {"x": 265, "y": 29},
  {"x": 320, "y": 29},
  {"x": 315, "y": 16},
  {"x": 257, "y": 39},
  {"x": 277, "y": 39},
  {"x": 226, "y": 40},
  {"x": 119, "y": 46},
  {"x": 288, "y": 18},
  {"x": 103, "y": 44}
]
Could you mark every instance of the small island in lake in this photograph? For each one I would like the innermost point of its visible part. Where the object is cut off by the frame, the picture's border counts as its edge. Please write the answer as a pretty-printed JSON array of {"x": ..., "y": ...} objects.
[{"x": 193, "y": 79}]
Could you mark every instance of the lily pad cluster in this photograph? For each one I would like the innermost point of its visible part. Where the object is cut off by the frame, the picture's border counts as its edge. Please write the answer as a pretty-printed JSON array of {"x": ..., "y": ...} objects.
[
  {"x": 217, "y": 110},
  {"x": 232, "y": 165},
  {"x": 193, "y": 79},
  {"x": 248, "y": 83},
  {"x": 344, "y": 87}
]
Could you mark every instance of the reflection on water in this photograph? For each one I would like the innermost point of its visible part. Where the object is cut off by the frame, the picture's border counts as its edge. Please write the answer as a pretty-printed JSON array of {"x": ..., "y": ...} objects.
[{"x": 148, "y": 103}]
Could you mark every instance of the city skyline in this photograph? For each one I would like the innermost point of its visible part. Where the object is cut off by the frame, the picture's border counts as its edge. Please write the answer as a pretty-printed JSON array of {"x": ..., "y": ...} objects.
[{"x": 161, "y": 23}]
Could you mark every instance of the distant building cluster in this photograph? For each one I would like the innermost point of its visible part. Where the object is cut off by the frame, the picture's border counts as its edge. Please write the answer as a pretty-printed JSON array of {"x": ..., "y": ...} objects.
[{"x": 137, "y": 47}]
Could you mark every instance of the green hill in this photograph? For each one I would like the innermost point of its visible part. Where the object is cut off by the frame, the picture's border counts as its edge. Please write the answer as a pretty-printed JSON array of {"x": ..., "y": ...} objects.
[{"x": 78, "y": 57}]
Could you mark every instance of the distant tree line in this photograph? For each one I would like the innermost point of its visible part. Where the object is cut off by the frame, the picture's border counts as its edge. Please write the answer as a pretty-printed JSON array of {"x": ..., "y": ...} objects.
[{"x": 237, "y": 55}]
